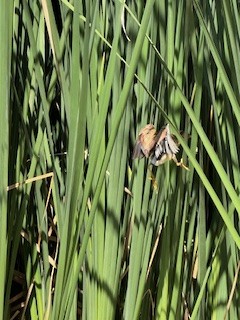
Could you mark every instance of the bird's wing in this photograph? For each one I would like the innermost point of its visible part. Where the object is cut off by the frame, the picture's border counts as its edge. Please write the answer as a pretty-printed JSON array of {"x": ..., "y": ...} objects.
[{"x": 145, "y": 142}]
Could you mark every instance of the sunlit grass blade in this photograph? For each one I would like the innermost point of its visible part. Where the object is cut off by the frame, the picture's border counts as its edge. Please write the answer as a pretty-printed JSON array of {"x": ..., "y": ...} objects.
[{"x": 6, "y": 18}]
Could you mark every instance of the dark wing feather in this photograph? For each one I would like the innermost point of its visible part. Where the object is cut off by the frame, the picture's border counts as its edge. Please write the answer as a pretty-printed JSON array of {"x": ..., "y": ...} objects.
[
  {"x": 165, "y": 148},
  {"x": 137, "y": 151},
  {"x": 160, "y": 146}
]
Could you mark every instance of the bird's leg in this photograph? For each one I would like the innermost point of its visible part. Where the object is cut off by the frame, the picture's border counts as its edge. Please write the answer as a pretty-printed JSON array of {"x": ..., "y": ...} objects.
[
  {"x": 153, "y": 179},
  {"x": 179, "y": 163}
]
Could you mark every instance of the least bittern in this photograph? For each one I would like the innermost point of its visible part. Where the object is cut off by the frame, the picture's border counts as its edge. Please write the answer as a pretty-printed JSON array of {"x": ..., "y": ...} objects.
[{"x": 160, "y": 147}]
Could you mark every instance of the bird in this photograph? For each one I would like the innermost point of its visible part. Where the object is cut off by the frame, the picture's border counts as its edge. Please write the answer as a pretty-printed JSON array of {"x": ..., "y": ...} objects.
[{"x": 160, "y": 146}]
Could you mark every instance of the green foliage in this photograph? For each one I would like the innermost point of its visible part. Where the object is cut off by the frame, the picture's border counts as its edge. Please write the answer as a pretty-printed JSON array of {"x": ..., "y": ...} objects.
[{"x": 86, "y": 232}]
